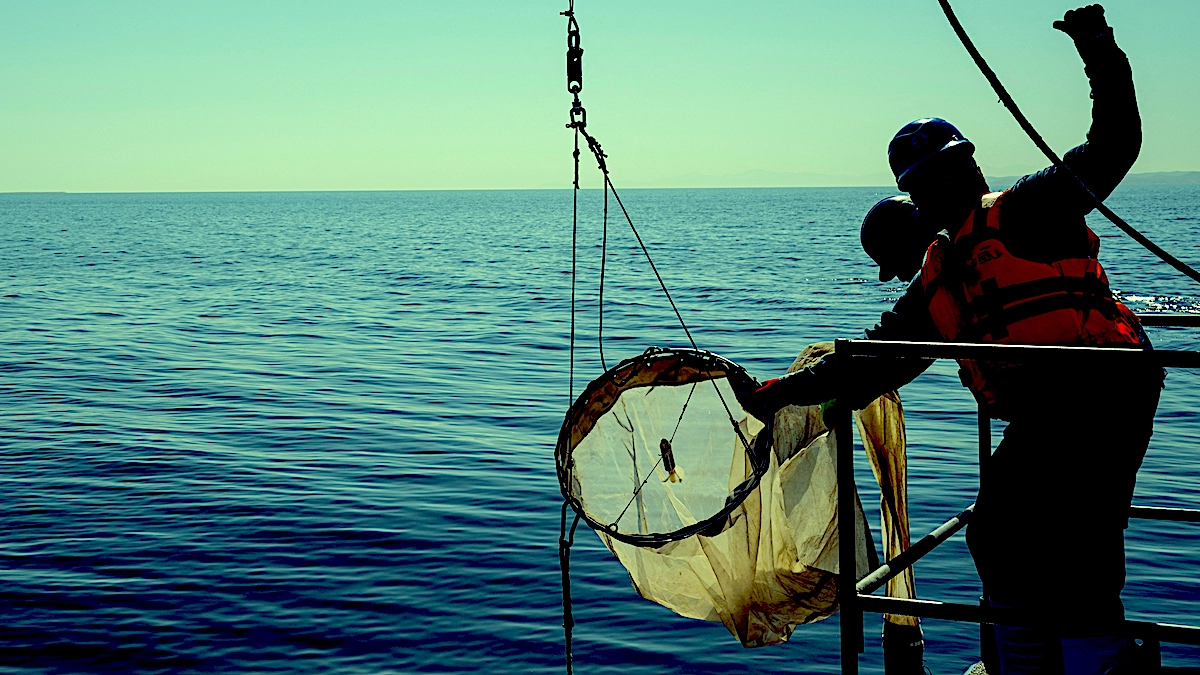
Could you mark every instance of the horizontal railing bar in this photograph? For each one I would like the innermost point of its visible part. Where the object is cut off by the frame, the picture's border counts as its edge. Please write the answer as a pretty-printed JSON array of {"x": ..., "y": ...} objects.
[
  {"x": 929, "y": 609},
  {"x": 890, "y": 569},
  {"x": 1022, "y": 353},
  {"x": 908, "y": 557},
  {"x": 1160, "y": 513},
  {"x": 932, "y": 609},
  {"x": 1183, "y": 320}
]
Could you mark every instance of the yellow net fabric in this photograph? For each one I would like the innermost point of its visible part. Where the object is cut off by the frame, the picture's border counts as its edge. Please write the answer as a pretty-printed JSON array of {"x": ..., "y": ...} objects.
[{"x": 773, "y": 565}]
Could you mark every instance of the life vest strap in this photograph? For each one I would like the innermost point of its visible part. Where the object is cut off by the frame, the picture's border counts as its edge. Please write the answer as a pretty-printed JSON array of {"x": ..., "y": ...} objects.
[
  {"x": 1001, "y": 297},
  {"x": 995, "y": 324}
]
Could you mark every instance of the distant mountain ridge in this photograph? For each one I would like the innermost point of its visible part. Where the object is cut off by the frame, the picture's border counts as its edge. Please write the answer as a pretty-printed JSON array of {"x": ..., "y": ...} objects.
[
  {"x": 1150, "y": 178},
  {"x": 763, "y": 178},
  {"x": 756, "y": 178}
]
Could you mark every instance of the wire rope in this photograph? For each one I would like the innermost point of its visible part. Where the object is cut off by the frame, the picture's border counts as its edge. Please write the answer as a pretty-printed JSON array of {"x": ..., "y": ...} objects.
[
  {"x": 574, "y": 238},
  {"x": 1049, "y": 152},
  {"x": 566, "y": 538},
  {"x": 603, "y": 260}
]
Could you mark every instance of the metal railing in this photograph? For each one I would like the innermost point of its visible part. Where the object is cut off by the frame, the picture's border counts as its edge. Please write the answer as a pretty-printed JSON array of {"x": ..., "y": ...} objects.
[{"x": 854, "y": 595}]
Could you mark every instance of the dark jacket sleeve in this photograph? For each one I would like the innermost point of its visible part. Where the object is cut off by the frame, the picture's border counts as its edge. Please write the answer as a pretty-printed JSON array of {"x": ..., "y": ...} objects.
[
  {"x": 908, "y": 320},
  {"x": 1043, "y": 214}
]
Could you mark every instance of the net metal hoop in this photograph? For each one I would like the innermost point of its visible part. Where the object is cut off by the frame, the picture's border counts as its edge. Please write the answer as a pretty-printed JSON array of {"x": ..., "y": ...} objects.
[{"x": 655, "y": 367}]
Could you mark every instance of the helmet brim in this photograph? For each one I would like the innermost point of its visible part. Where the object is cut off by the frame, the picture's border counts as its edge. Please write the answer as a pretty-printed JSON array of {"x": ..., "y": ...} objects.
[{"x": 904, "y": 182}]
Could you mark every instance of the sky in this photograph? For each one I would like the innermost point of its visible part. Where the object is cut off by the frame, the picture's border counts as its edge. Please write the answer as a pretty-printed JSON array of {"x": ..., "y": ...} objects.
[{"x": 158, "y": 95}]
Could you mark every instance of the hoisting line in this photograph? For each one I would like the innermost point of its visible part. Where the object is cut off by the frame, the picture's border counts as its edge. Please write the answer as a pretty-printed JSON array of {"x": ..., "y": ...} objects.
[
  {"x": 578, "y": 122},
  {"x": 574, "y": 236},
  {"x": 565, "y": 539},
  {"x": 603, "y": 260},
  {"x": 594, "y": 146},
  {"x": 1050, "y": 154}
]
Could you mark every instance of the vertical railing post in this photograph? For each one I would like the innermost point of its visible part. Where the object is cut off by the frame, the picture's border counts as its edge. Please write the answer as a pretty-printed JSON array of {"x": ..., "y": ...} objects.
[
  {"x": 851, "y": 615},
  {"x": 985, "y": 439},
  {"x": 987, "y": 633}
]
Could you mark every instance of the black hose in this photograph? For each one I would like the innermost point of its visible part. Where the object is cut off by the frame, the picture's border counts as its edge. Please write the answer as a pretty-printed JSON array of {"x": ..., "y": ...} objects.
[{"x": 1049, "y": 153}]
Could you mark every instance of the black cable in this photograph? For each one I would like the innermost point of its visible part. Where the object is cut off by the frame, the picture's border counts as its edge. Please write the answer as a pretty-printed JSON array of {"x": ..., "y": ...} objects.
[
  {"x": 565, "y": 540},
  {"x": 682, "y": 412},
  {"x": 1050, "y": 154},
  {"x": 637, "y": 491},
  {"x": 598, "y": 152},
  {"x": 574, "y": 235},
  {"x": 594, "y": 145},
  {"x": 654, "y": 269},
  {"x": 603, "y": 259}
]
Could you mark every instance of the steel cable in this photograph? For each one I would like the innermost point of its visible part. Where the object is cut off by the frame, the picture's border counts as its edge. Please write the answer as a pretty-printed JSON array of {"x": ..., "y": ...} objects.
[
  {"x": 566, "y": 538},
  {"x": 1050, "y": 154}
]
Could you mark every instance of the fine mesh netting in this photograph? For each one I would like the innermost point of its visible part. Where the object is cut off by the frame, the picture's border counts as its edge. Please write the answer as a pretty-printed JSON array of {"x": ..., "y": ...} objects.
[
  {"x": 646, "y": 452},
  {"x": 764, "y": 512}
]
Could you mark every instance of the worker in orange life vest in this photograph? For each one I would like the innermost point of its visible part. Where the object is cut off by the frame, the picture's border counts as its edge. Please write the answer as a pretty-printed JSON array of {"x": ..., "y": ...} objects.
[{"x": 1022, "y": 266}]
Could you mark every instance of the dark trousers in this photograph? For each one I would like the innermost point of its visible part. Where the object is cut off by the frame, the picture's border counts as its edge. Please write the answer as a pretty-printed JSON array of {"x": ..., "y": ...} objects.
[{"x": 1048, "y": 529}]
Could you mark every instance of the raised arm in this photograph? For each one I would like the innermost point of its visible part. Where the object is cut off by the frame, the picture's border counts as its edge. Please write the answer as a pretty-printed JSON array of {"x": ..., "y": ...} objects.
[{"x": 1113, "y": 142}]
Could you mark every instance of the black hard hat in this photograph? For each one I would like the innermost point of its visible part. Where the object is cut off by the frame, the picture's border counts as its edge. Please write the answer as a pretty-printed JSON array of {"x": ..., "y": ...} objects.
[
  {"x": 921, "y": 140},
  {"x": 883, "y": 232}
]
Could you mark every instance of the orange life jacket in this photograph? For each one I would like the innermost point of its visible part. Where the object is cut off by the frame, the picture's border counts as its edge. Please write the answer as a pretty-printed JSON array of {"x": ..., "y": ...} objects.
[{"x": 978, "y": 291}]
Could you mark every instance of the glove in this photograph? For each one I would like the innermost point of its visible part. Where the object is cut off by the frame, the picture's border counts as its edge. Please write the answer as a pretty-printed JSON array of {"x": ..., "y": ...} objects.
[
  {"x": 761, "y": 401},
  {"x": 744, "y": 388},
  {"x": 1084, "y": 23},
  {"x": 772, "y": 396},
  {"x": 777, "y": 393}
]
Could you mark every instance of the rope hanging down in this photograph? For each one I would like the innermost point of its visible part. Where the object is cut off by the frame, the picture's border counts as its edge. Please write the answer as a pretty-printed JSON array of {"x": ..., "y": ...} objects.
[
  {"x": 566, "y": 538},
  {"x": 1050, "y": 154}
]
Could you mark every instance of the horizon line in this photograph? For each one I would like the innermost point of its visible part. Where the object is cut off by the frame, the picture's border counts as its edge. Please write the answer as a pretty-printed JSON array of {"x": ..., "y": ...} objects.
[{"x": 508, "y": 189}]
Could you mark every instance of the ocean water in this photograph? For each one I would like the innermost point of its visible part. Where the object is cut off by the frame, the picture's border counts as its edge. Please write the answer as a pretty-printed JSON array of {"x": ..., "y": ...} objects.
[{"x": 313, "y": 432}]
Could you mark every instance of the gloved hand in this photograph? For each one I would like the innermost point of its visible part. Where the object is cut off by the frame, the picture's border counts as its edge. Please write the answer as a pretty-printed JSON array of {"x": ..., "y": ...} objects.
[
  {"x": 779, "y": 392},
  {"x": 1084, "y": 23},
  {"x": 750, "y": 401},
  {"x": 773, "y": 395},
  {"x": 744, "y": 388}
]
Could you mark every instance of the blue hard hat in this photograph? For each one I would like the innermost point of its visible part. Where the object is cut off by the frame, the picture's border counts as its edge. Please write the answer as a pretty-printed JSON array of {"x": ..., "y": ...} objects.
[{"x": 921, "y": 140}]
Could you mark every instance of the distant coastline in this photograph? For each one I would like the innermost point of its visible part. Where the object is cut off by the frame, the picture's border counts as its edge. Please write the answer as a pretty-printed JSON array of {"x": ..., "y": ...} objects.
[
  {"x": 746, "y": 179},
  {"x": 1150, "y": 178},
  {"x": 761, "y": 178}
]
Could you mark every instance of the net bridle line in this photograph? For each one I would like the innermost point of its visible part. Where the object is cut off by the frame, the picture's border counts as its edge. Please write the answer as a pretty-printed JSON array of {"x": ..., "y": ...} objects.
[
  {"x": 682, "y": 412},
  {"x": 661, "y": 366},
  {"x": 736, "y": 428}
]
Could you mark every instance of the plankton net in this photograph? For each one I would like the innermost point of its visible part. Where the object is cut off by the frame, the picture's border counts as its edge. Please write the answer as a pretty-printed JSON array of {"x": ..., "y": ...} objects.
[
  {"x": 715, "y": 514},
  {"x": 658, "y": 449}
]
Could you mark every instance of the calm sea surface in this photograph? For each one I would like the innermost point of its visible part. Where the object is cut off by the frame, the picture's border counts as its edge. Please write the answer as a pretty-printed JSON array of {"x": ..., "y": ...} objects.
[{"x": 313, "y": 432}]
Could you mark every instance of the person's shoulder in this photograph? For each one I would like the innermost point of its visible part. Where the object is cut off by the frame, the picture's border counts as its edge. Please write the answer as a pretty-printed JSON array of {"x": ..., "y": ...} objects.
[
  {"x": 931, "y": 267},
  {"x": 1030, "y": 194},
  {"x": 1030, "y": 182}
]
